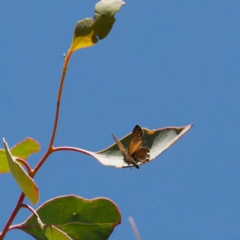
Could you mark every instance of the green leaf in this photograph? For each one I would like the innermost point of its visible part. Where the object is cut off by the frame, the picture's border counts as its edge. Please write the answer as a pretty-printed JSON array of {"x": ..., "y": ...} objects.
[
  {"x": 156, "y": 140},
  {"x": 88, "y": 31},
  {"x": 79, "y": 218},
  {"x": 50, "y": 231},
  {"x": 24, "y": 181},
  {"x": 83, "y": 35},
  {"x": 53, "y": 233},
  {"x": 22, "y": 150}
]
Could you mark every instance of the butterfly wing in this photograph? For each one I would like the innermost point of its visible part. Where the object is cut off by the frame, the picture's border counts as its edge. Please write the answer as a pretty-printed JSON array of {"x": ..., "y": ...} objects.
[
  {"x": 135, "y": 141},
  {"x": 120, "y": 146},
  {"x": 141, "y": 155},
  {"x": 127, "y": 158}
]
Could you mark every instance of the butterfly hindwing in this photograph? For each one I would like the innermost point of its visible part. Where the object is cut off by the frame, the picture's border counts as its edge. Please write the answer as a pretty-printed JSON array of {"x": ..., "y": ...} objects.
[
  {"x": 141, "y": 155},
  {"x": 135, "y": 141},
  {"x": 136, "y": 153}
]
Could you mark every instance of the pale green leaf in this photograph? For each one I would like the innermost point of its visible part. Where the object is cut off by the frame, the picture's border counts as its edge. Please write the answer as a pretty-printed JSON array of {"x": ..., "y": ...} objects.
[
  {"x": 108, "y": 8},
  {"x": 24, "y": 181},
  {"x": 156, "y": 140},
  {"x": 22, "y": 150},
  {"x": 54, "y": 233}
]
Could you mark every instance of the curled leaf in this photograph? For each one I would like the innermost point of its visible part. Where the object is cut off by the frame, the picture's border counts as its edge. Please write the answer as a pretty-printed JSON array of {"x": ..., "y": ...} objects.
[
  {"x": 108, "y": 8},
  {"x": 88, "y": 31},
  {"x": 156, "y": 140}
]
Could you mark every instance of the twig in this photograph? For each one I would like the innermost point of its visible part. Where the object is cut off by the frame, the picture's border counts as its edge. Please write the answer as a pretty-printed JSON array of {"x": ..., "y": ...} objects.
[
  {"x": 25, "y": 164},
  {"x": 49, "y": 150},
  {"x": 50, "y": 147},
  {"x": 134, "y": 227}
]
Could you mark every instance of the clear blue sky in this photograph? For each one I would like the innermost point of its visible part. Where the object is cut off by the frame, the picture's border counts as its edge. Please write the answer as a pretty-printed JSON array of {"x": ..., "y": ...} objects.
[{"x": 165, "y": 63}]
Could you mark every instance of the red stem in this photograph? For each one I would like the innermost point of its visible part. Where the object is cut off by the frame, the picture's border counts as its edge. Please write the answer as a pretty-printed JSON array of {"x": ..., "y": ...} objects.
[
  {"x": 25, "y": 164},
  {"x": 50, "y": 147},
  {"x": 14, "y": 213},
  {"x": 30, "y": 208},
  {"x": 70, "y": 149},
  {"x": 49, "y": 150}
]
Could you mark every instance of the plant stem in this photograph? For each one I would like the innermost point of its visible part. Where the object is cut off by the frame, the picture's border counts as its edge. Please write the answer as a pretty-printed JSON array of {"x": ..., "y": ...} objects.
[
  {"x": 25, "y": 164},
  {"x": 49, "y": 150},
  {"x": 50, "y": 147},
  {"x": 71, "y": 149},
  {"x": 134, "y": 227},
  {"x": 22, "y": 224},
  {"x": 30, "y": 209},
  {"x": 14, "y": 213}
]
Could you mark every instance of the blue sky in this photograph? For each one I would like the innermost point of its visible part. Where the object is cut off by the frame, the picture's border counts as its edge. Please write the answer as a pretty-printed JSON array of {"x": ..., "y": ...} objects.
[{"x": 165, "y": 63}]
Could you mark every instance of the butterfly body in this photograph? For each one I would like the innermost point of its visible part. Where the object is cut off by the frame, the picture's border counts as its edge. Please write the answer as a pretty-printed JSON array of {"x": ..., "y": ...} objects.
[{"x": 136, "y": 153}]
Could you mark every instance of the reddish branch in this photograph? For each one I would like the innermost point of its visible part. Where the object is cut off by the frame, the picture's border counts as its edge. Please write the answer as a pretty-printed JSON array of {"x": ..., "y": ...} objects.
[{"x": 48, "y": 152}]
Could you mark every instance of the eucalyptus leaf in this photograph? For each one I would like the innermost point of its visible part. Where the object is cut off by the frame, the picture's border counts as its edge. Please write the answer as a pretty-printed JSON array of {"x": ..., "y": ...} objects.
[
  {"x": 22, "y": 150},
  {"x": 76, "y": 217},
  {"x": 88, "y": 31},
  {"x": 54, "y": 233},
  {"x": 156, "y": 140},
  {"x": 24, "y": 181}
]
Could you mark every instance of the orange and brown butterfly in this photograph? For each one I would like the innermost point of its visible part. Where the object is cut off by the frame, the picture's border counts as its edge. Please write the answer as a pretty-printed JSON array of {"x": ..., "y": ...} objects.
[{"x": 136, "y": 153}]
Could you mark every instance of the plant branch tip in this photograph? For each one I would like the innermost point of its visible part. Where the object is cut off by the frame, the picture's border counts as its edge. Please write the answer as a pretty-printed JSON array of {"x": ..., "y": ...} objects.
[
  {"x": 134, "y": 227},
  {"x": 22, "y": 161},
  {"x": 22, "y": 205}
]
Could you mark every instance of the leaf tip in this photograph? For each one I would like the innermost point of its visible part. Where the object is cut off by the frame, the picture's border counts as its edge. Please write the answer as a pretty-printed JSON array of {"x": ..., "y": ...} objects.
[{"x": 5, "y": 144}]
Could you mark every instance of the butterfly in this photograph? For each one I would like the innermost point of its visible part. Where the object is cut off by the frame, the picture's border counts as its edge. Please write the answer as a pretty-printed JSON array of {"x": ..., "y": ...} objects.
[{"x": 136, "y": 153}]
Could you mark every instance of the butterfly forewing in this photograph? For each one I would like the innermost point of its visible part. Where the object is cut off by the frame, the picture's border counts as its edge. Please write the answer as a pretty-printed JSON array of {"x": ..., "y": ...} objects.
[
  {"x": 127, "y": 158},
  {"x": 135, "y": 141},
  {"x": 120, "y": 146}
]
